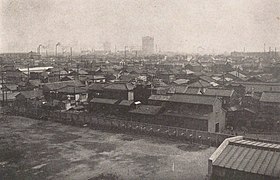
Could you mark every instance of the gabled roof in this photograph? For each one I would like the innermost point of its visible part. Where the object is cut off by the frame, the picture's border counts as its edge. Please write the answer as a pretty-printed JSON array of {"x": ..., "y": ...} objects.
[
  {"x": 272, "y": 97},
  {"x": 259, "y": 86},
  {"x": 200, "y": 83},
  {"x": 193, "y": 99},
  {"x": 12, "y": 87},
  {"x": 177, "y": 89},
  {"x": 219, "y": 92},
  {"x": 254, "y": 157},
  {"x": 193, "y": 90},
  {"x": 159, "y": 97},
  {"x": 146, "y": 109},
  {"x": 126, "y": 103},
  {"x": 207, "y": 79},
  {"x": 35, "y": 82},
  {"x": 9, "y": 96},
  {"x": 104, "y": 101},
  {"x": 72, "y": 90},
  {"x": 58, "y": 85},
  {"x": 238, "y": 74},
  {"x": 181, "y": 81},
  {"x": 120, "y": 86},
  {"x": 97, "y": 86},
  {"x": 31, "y": 94}
]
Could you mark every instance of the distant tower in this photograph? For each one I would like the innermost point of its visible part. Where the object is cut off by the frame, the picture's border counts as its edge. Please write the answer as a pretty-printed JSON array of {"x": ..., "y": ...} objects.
[
  {"x": 148, "y": 45},
  {"x": 107, "y": 46}
]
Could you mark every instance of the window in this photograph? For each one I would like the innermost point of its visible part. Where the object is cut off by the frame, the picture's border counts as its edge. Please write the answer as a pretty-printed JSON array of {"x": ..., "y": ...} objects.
[{"x": 217, "y": 127}]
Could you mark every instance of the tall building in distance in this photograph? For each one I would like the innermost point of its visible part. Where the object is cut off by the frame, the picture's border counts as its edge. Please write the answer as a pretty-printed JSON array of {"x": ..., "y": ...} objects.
[
  {"x": 107, "y": 46},
  {"x": 148, "y": 45}
]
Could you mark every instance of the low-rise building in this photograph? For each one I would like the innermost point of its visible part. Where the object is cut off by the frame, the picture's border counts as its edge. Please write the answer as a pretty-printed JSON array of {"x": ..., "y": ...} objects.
[
  {"x": 238, "y": 158},
  {"x": 198, "y": 112}
]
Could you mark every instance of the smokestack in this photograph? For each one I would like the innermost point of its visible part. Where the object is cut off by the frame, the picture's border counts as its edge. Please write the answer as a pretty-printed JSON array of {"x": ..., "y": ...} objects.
[
  {"x": 58, "y": 44},
  {"x": 264, "y": 47},
  {"x": 39, "y": 49}
]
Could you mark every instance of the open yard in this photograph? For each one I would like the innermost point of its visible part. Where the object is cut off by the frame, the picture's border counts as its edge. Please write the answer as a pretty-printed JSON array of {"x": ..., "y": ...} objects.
[{"x": 33, "y": 149}]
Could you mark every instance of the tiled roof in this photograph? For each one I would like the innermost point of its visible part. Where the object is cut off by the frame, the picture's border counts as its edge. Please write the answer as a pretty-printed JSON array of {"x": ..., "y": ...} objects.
[
  {"x": 238, "y": 74},
  {"x": 159, "y": 97},
  {"x": 193, "y": 99},
  {"x": 251, "y": 157},
  {"x": 104, "y": 101},
  {"x": 259, "y": 86},
  {"x": 177, "y": 89},
  {"x": 146, "y": 109},
  {"x": 12, "y": 87},
  {"x": 35, "y": 82},
  {"x": 126, "y": 103},
  {"x": 200, "y": 83},
  {"x": 97, "y": 86},
  {"x": 181, "y": 81},
  {"x": 72, "y": 90},
  {"x": 57, "y": 85},
  {"x": 273, "y": 97},
  {"x": 207, "y": 79},
  {"x": 193, "y": 90},
  {"x": 31, "y": 94},
  {"x": 219, "y": 92},
  {"x": 9, "y": 96},
  {"x": 120, "y": 86}
]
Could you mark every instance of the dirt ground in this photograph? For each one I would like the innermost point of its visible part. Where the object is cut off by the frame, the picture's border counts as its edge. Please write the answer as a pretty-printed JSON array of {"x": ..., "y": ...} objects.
[{"x": 33, "y": 149}]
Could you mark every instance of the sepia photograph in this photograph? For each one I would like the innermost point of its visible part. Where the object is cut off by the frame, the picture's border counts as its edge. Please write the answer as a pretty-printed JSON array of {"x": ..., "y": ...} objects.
[{"x": 139, "y": 90}]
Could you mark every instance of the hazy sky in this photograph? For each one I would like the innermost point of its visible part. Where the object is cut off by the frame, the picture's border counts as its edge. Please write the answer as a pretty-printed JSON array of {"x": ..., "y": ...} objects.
[{"x": 179, "y": 25}]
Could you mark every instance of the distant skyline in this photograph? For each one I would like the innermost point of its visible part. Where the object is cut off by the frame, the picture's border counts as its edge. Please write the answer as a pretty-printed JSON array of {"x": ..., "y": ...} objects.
[{"x": 190, "y": 26}]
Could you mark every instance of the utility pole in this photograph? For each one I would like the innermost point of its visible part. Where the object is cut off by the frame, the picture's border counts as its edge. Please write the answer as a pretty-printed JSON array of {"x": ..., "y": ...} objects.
[
  {"x": 70, "y": 53},
  {"x": 124, "y": 53},
  {"x": 3, "y": 95},
  {"x": 78, "y": 76},
  {"x": 28, "y": 73}
]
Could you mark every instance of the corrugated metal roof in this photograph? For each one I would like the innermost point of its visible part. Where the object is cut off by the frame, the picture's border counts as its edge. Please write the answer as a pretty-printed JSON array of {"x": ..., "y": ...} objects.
[{"x": 252, "y": 157}]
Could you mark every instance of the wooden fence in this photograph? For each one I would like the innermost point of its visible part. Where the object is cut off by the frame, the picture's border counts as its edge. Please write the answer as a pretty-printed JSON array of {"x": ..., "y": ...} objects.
[{"x": 115, "y": 123}]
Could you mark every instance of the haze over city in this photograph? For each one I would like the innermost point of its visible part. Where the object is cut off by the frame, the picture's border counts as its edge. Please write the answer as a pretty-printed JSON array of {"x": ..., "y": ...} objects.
[{"x": 181, "y": 26}]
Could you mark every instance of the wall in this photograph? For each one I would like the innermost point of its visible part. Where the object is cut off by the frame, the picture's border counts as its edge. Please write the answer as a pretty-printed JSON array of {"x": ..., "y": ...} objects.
[
  {"x": 217, "y": 116},
  {"x": 122, "y": 125}
]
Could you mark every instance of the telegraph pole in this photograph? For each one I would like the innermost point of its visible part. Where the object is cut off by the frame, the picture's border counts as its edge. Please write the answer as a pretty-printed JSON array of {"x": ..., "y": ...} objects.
[
  {"x": 3, "y": 91},
  {"x": 124, "y": 53}
]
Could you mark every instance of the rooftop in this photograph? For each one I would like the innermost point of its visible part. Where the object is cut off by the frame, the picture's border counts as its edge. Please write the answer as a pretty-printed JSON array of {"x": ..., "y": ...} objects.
[
  {"x": 58, "y": 85},
  {"x": 273, "y": 97},
  {"x": 31, "y": 94},
  {"x": 146, "y": 109},
  {"x": 159, "y": 97},
  {"x": 120, "y": 86},
  {"x": 252, "y": 157},
  {"x": 72, "y": 90},
  {"x": 104, "y": 101},
  {"x": 126, "y": 103},
  {"x": 193, "y": 99},
  {"x": 219, "y": 92}
]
